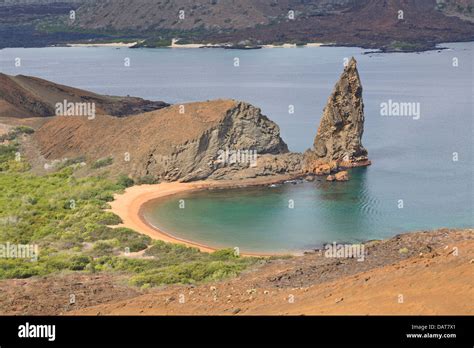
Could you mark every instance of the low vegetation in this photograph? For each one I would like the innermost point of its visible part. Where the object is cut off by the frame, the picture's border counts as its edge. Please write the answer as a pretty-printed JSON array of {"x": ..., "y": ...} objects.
[
  {"x": 103, "y": 162},
  {"x": 66, "y": 218}
]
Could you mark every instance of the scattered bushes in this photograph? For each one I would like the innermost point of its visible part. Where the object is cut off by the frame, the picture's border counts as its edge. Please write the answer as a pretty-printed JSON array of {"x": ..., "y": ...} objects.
[
  {"x": 65, "y": 217},
  {"x": 147, "y": 180},
  {"x": 187, "y": 273},
  {"x": 124, "y": 181},
  {"x": 13, "y": 134},
  {"x": 103, "y": 162}
]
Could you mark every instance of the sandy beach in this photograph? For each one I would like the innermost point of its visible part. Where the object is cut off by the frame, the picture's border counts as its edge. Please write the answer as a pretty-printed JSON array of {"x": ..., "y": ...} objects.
[
  {"x": 110, "y": 44},
  {"x": 175, "y": 44},
  {"x": 128, "y": 205}
]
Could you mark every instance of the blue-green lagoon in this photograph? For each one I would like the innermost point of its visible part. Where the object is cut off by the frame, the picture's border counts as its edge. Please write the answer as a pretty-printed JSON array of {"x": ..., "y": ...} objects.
[{"x": 422, "y": 172}]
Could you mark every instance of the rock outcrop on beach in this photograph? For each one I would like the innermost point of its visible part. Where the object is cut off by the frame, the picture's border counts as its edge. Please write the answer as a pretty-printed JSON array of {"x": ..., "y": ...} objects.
[
  {"x": 221, "y": 139},
  {"x": 25, "y": 96},
  {"x": 338, "y": 142}
]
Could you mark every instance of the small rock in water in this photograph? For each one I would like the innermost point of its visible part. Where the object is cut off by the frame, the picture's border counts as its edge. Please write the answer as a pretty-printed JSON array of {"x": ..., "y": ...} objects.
[{"x": 342, "y": 176}]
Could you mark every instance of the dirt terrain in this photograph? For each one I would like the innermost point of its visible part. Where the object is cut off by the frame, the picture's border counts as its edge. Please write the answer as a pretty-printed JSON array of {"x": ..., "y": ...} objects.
[
  {"x": 407, "y": 274},
  {"x": 25, "y": 96}
]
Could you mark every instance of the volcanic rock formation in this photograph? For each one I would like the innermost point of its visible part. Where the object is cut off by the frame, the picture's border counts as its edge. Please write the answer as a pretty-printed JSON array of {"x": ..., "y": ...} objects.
[
  {"x": 221, "y": 139},
  {"x": 338, "y": 142},
  {"x": 25, "y": 96}
]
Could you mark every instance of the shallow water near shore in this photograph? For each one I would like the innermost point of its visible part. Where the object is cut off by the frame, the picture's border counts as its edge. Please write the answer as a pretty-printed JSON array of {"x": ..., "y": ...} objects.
[
  {"x": 259, "y": 219},
  {"x": 412, "y": 158}
]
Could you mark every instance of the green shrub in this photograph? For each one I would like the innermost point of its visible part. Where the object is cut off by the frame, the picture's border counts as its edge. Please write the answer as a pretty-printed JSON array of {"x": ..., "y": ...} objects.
[
  {"x": 71, "y": 161},
  {"x": 102, "y": 248},
  {"x": 147, "y": 180},
  {"x": 13, "y": 134},
  {"x": 77, "y": 237},
  {"x": 188, "y": 273},
  {"x": 79, "y": 262},
  {"x": 103, "y": 162},
  {"x": 125, "y": 181}
]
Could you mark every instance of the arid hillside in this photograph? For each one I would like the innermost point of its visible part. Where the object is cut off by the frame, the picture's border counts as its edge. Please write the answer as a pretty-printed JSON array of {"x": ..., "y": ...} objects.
[
  {"x": 25, "y": 96},
  {"x": 366, "y": 23},
  {"x": 157, "y": 145},
  {"x": 389, "y": 24},
  {"x": 215, "y": 14},
  {"x": 409, "y": 274},
  {"x": 422, "y": 267}
]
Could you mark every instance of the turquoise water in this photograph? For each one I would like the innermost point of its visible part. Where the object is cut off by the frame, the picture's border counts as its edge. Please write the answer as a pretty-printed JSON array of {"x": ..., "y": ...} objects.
[
  {"x": 261, "y": 220},
  {"x": 412, "y": 159}
]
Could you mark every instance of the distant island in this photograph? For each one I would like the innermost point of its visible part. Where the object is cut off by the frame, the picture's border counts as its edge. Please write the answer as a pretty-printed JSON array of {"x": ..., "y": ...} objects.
[{"x": 391, "y": 26}]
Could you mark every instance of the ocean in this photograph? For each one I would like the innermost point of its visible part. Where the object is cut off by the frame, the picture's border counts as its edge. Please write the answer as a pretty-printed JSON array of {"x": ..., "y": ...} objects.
[{"x": 422, "y": 172}]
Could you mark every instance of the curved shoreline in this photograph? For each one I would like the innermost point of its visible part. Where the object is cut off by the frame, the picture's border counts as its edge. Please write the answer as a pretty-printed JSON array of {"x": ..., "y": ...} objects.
[{"x": 128, "y": 206}]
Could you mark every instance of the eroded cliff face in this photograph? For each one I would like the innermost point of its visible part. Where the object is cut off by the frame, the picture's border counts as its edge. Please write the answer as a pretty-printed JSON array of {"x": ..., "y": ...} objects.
[
  {"x": 338, "y": 142},
  {"x": 244, "y": 144},
  {"x": 222, "y": 139}
]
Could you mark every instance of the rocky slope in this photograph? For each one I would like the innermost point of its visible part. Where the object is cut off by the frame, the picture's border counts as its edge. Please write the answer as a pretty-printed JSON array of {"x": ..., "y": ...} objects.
[
  {"x": 25, "y": 96},
  {"x": 463, "y": 9},
  {"x": 222, "y": 139},
  {"x": 367, "y": 23},
  {"x": 412, "y": 264},
  {"x": 182, "y": 142},
  {"x": 338, "y": 142},
  {"x": 208, "y": 15}
]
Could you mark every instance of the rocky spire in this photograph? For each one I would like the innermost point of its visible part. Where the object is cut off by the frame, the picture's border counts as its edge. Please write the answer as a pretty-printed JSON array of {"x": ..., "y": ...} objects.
[{"x": 338, "y": 141}]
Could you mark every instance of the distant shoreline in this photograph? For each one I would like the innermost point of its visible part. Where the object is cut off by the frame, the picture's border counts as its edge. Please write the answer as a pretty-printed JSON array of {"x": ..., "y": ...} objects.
[
  {"x": 105, "y": 44},
  {"x": 174, "y": 44}
]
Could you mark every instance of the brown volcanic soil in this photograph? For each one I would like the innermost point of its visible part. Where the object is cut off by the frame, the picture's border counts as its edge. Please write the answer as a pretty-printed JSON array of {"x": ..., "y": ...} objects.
[
  {"x": 24, "y": 96},
  {"x": 168, "y": 144},
  {"x": 368, "y": 23},
  {"x": 423, "y": 272},
  {"x": 216, "y": 14},
  {"x": 110, "y": 134},
  {"x": 51, "y": 294}
]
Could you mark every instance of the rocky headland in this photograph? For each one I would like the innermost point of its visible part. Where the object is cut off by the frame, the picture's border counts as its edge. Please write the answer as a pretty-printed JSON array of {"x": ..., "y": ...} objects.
[
  {"x": 215, "y": 140},
  {"x": 220, "y": 139}
]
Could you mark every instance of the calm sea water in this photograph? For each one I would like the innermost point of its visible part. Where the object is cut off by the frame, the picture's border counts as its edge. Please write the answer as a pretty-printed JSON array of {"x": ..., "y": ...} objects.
[{"x": 412, "y": 159}]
